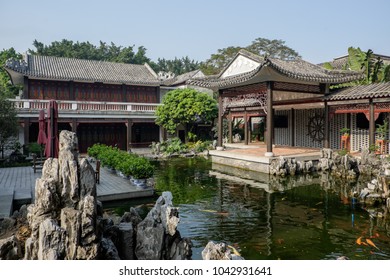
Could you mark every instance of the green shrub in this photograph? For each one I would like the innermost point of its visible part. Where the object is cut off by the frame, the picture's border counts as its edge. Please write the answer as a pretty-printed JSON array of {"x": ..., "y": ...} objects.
[
  {"x": 128, "y": 164},
  {"x": 96, "y": 150},
  {"x": 174, "y": 145},
  {"x": 198, "y": 146},
  {"x": 343, "y": 152},
  {"x": 35, "y": 148},
  {"x": 141, "y": 168}
]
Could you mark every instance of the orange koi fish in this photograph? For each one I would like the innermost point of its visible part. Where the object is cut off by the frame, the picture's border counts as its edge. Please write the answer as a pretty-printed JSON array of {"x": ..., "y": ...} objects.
[{"x": 369, "y": 241}]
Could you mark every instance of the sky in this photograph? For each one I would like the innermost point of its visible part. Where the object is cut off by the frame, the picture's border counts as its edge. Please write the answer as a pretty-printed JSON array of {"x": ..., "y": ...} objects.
[{"x": 318, "y": 30}]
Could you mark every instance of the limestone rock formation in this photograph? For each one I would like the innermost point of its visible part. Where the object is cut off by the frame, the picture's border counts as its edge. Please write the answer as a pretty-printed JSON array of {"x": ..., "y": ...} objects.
[
  {"x": 281, "y": 166},
  {"x": 219, "y": 251},
  {"x": 10, "y": 249},
  {"x": 66, "y": 221},
  {"x": 157, "y": 235}
]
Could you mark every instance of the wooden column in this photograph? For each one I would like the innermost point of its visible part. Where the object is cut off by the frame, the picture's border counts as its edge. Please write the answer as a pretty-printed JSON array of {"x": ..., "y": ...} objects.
[
  {"x": 372, "y": 124},
  {"x": 26, "y": 131},
  {"x": 220, "y": 121},
  {"x": 71, "y": 91},
  {"x": 326, "y": 128},
  {"x": 124, "y": 98},
  {"x": 25, "y": 88},
  {"x": 73, "y": 125},
  {"x": 292, "y": 128},
  {"x": 246, "y": 128},
  {"x": 324, "y": 88},
  {"x": 129, "y": 126},
  {"x": 250, "y": 129},
  {"x": 230, "y": 125},
  {"x": 270, "y": 120}
]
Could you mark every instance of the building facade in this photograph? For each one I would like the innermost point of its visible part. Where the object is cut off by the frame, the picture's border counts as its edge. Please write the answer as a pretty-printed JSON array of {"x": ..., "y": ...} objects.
[
  {"x": 284, "y": 100},
  {"x": 103, "y": 102}
]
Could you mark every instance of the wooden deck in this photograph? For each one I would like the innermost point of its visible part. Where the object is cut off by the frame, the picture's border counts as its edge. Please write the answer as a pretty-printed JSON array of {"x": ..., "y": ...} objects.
[{"x": 17, "y": 185}]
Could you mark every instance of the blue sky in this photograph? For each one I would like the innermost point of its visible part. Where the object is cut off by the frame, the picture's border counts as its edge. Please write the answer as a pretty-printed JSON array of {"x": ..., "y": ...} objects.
[{"x": 318, "y": 30}]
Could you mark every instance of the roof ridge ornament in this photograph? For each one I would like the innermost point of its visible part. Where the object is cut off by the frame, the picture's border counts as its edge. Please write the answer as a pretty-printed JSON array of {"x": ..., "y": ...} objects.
[{"x": 18, "y": 65}]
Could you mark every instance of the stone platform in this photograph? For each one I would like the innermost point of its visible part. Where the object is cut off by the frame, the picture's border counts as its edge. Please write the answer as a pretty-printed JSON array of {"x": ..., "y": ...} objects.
[{"x": 251, "y": 157}]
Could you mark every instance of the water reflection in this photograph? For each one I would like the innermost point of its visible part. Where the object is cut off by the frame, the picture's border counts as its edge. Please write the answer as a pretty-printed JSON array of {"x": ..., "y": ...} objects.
[{"x": 303, "y": 217}]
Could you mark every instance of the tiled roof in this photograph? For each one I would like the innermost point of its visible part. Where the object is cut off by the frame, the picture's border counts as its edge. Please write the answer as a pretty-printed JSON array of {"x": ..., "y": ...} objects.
[
  {"x": 376, "y": 90},
  {"x": 72, "y": 69},
  {"x": 296, "y": 69},
  {"x": 340, "y": 62},
  {"x": 181, "y": 78}
]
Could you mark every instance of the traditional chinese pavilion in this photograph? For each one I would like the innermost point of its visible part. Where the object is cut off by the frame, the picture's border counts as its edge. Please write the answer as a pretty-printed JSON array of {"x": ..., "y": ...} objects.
[{"x": 290, "y": 96}]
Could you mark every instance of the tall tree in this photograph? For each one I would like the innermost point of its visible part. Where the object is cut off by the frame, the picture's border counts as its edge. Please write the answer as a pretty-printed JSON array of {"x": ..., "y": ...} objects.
[
  {"x": 176, "y": 66},
  {"x": 7, "y": 89},
  {"x": 217, "y": 61},
  {"x": 260, "y": 46},
  {"x": 86, "y": 50},
  {"x": 186, "y": 107}
]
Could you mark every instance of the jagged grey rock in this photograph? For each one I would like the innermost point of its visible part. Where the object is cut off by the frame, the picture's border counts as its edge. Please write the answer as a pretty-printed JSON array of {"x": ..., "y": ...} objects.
[
  {"x": 126, "y": 241},
  {"x": 66, "y": 221},
  {"x": 155, "y": 233},
  {"x": 219, "y": 251},
  {"x": 51, "y": 241},
  {"x": 10, "y": 249},
  {"x": 63, "y": 220},
  {"x": 109, "y": 250}
]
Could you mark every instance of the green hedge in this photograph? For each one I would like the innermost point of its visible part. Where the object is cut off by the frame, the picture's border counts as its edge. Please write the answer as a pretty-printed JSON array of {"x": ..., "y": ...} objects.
[{"x": 129, "y": 164}]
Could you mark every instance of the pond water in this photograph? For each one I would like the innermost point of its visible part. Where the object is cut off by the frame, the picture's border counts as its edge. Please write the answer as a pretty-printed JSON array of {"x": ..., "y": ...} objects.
[{"x": 306, "y": 221}]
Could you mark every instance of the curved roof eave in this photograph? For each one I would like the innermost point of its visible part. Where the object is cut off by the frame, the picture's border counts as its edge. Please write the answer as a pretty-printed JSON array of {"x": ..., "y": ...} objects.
[{"x": 318, "y": 75}]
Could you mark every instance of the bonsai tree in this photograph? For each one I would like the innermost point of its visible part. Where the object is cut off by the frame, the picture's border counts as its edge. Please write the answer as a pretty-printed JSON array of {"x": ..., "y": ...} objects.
[
  {"x": 382, "y": 130},
  {"x": 345, "y": 131}
]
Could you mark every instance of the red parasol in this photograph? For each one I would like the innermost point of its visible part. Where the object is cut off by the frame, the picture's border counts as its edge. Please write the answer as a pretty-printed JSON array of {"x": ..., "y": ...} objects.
[
  {"x": 51, "y": 149},
  {"x": 42, "y": 127}
]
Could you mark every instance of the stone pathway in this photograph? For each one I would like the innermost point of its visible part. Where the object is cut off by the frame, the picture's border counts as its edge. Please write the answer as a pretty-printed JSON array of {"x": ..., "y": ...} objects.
[{"x": 17, "y": 184}]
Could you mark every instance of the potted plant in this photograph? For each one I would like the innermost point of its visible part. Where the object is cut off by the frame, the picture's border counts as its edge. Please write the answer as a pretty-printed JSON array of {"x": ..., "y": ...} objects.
[
  {"x": 382, "y": 132},
  {"x": 345, "y": 139}
]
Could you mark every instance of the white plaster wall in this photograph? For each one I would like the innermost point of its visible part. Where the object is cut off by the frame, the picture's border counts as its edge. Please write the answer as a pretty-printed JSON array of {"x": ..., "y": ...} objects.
[{"x": 240, "y": 65}]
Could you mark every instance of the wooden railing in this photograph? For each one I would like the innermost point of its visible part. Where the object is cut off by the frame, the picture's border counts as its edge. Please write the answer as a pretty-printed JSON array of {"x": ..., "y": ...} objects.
[{"x": 84, "y": 106}]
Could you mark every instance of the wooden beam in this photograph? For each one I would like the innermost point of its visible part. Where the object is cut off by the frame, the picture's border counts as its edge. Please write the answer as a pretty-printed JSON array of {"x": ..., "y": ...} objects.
[
  {"x": 246, "y": 134},
  {"x": 73, "y": 124},
  {"x": 129, "y": 126},
  {"x": 292, "y": 127},
  {"x": 25, "y": 88},
  {"x": 230, "y": 126},
  {"x": 372, "y": 124},
  {"x": 325, "y": 90},
  {"x": 326, "y": 128}
]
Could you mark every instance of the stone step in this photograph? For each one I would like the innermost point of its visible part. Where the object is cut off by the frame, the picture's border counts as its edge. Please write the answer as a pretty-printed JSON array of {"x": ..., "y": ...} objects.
[
  {"x": 23, "y": 196},
  {"x": 6, "y": 202}
]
